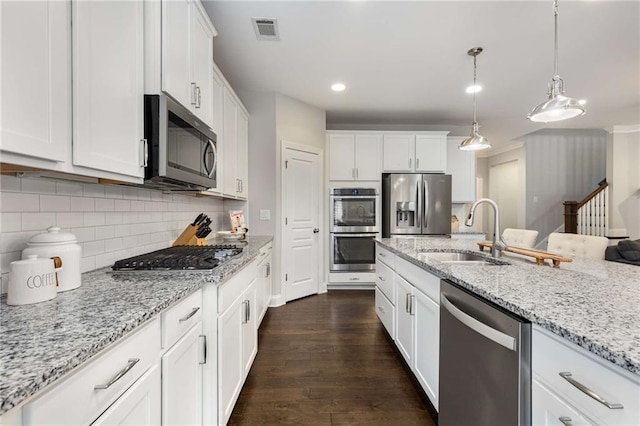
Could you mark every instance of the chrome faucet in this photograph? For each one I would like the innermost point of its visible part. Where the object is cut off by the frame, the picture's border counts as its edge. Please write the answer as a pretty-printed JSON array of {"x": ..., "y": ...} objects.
[{"x": 498, "y": 244}]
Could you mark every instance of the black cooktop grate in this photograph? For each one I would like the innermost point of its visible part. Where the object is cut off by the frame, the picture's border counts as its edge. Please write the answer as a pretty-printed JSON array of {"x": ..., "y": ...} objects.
[{"x": 178, "y": 258}]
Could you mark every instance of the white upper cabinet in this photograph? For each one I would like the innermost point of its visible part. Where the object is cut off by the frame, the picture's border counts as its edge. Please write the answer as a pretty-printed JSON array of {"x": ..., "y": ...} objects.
[
  {"x": 354, "y": 156},
  {"x": 398, "y": 152},
  {"x": 431, "y": 154},
  {"x": 421, "y": 153},
  {"x": 229, "y": 142},
  {"x": 461, "y": 165},
  {"x": 187, "y": 56},
  {"x": 242, "y": 154},
  {"x": 35, "y": 110},
  {"x": 108, "y": 121}
]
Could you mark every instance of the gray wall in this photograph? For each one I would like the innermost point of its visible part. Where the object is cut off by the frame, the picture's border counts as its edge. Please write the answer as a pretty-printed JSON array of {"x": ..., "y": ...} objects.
[{"x": 561, "y": 165}]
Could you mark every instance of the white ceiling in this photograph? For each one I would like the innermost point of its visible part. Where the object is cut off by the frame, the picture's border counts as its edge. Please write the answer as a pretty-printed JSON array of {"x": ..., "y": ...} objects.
[{"x": 407, "y": 62}]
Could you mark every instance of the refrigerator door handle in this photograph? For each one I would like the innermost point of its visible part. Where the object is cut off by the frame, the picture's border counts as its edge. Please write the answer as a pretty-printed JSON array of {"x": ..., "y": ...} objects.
[
  {"x": 425, "y": 200},
  {"x": 418, "y": 222}
]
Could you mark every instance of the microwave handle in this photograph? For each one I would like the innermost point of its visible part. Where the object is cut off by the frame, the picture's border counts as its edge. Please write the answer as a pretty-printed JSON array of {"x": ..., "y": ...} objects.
[{"x": 212, "y": 147}]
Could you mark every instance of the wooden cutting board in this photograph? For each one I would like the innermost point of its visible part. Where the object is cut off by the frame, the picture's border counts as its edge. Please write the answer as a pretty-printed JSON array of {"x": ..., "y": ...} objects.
[{"x": 539, "y": 255}]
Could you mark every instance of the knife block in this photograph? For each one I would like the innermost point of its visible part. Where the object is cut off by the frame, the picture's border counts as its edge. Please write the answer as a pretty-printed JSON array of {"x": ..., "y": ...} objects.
[
  {"x": 187, "y": 235},
  {"x": 195, "y": 241}
]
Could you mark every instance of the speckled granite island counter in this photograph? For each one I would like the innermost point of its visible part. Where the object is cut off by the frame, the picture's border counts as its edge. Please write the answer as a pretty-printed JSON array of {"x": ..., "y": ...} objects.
[
  {"x": 42, "y": 342},
  {"x": 594, "y": 304}
]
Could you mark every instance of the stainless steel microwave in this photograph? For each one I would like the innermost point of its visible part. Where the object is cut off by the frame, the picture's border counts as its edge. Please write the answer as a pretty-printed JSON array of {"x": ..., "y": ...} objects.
[{"x": 181, "y": 149}]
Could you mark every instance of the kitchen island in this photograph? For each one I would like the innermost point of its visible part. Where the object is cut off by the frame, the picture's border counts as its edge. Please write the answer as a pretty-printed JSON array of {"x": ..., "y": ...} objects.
[
  {"x": 592, "y": 303},
  {"x": 41, "y": 343}
]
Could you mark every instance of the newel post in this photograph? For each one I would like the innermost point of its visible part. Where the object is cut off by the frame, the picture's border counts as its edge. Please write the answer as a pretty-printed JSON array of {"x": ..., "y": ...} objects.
[{"x": 571, "y": 217}]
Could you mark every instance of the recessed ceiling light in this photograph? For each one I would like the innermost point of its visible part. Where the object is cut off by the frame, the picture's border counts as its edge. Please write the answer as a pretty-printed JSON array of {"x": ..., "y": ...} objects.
[
  {"x": 582, "y": 101},
  {"x": 338, "y": 87},
  {"x": 474, "y": 88}
]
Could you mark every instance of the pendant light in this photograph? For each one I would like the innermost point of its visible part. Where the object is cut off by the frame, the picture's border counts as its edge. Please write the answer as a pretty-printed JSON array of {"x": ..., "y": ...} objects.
[
  {"x": 558, "y": 107},
  {"x": 475, "y": 141}
]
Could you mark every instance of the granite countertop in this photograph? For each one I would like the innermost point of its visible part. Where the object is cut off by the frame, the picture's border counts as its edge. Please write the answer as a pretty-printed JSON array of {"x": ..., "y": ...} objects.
[
  {"x": 592, "y": 303},
  {"x": 40, "y": 343}
]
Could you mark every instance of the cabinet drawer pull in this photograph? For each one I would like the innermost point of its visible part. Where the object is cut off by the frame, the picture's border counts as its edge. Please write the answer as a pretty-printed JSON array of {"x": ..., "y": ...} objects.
[
  {"x": 381, "y": 278},
  {"x": 381, "y": 309},
  {"x": 612, "y": 406},
  {"x": 119, "y": 374},
  {"x": 145, "y": 152},
  {"x": 189, "y": 315},
  {"x": 354, "y": 279},
  {"x": 193, "y": 93},
  {"x": 204, "y": 349},
  {"x": 566, "y": 421},
  {"x": 382, "y": 255},
  {"x": 417, "y": 163}
]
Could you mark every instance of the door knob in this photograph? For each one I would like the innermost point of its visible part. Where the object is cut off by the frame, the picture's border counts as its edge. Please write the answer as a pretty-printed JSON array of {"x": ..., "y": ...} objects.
[{"x": 316, "y": 230}]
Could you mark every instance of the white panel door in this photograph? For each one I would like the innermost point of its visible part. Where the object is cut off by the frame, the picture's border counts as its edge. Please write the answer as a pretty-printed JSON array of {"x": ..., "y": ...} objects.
[
  {"x": 242, "y": 154},
  {"x": 431, "y": 154},
  {"x": 404, "y": 319},
  {"x": 367, "y": 157},
  {"x": 35, "y": 76},
  {"x": 230, "y": 359},
  {"x": 108, "y": 86},
  {"x": 202, "y": 60},
  {"x": 341, "y": 157},
  {"x": 398, "y": 153},
  {"x": 176, "y": 51},
  {"x": 461, "y": 165},
  {"x": 427, "y": 341},
  {"x": 301, "y": 224},
  {"x": 139, "y": 405},
  {"x": 182, "y": 380}
]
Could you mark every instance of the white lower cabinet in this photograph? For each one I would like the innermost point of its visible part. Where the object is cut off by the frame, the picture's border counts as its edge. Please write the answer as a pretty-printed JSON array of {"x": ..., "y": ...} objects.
[
  {"x": 549, "y": 409},
  {"x": 574, "y": 383},
  {"x": 263, "y": 285},
  {"x": 427, "y": 344},
  {"x": 404, "y": 319},
  {"x": 182, "y": 380},
  {"x": 139, "y": 405}
]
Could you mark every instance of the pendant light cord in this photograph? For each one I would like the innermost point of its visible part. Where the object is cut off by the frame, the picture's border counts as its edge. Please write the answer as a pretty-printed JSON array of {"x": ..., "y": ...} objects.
[
  {"x": 555, "y": 59},
  {"x": 475, "y": 85}
]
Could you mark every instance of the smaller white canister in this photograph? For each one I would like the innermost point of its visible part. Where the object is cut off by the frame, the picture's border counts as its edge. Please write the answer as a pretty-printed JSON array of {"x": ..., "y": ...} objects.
[
  {"x": 32, "y": 280},
  {"x": 65, "y": 246}
]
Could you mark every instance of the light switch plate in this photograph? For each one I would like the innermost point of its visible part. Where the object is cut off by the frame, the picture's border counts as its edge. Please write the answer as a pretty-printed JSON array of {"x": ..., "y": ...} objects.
[{"x": 265, "y": 214}]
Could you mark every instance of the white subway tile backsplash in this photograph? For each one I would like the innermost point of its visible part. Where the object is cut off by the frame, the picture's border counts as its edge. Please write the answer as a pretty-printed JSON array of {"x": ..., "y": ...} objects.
[
  {"x": 37, "y": 221},
  {"x": 105, "y": 232},
  {"x": 80, "y": 204},
  {"x": 93, "y": 190},
  {"x": 39, "y": 186},
  {"x": 9, "y": 183},
  {"x": 104, "y": 205},
  {"x": 17, "y": 202},
  {"x": 64, "y": 187},
  {"x": 10, "y": 222},
  {"x": 93, "y": 248},
  {"x": 94, "y": 219},
  {"x": 55, "y": 203},
  {"x": 69, "y": 220},
  {"x": 122, "y": 205},
  {"x": 112, "y": 191},
  {"x": 110, "y": 222}
]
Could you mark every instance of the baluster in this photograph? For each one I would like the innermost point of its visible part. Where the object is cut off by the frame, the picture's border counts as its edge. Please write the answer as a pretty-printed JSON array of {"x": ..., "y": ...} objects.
[{"x": 606, "y": 213}]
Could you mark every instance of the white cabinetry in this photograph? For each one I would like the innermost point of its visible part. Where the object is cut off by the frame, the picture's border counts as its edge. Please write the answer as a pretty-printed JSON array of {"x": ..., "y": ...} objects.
[
  {"x": 263, "y": 285},
  {"x": 414, "y": 299},
  {"x": 139, "y": 405},
  {"x": 354, "y": 156},
  {"x": 421, "y": 153},
  {"x": 187, "y": 56},
  {"x": 35, "y": 110},
  {"x": 235, "y": 143},
  {"x": 108, "y": 87},
  {"x": 461, "y": 165},
  {"x": 577, "y": 385},
  {"x": 237, "y": 336},
  {"x": 242, "y": 154}
]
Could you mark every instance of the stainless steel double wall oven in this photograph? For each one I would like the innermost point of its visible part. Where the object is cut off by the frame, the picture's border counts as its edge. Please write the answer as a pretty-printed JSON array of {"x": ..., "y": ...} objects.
[{"x": 354, "y": 227}]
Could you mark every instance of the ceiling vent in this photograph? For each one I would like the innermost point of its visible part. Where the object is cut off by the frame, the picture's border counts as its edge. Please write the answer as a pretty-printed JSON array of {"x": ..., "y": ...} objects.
[{"x": 266, "y": 28}]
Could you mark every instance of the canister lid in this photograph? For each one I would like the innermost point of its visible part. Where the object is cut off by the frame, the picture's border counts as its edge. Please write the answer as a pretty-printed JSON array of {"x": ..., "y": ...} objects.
[{"x": 53, "y": 236}]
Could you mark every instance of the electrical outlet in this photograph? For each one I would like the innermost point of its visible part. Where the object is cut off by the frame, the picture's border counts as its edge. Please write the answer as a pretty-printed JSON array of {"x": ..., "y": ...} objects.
[{"x": 265, "y": 214}]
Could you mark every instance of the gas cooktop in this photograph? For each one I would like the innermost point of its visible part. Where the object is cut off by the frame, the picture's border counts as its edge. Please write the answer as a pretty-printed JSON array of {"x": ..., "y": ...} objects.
[{"x": 179, "y": 258}]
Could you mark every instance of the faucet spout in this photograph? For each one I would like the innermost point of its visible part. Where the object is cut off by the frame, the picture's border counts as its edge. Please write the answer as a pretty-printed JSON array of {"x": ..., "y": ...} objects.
[{"x": 498, "y": 245}]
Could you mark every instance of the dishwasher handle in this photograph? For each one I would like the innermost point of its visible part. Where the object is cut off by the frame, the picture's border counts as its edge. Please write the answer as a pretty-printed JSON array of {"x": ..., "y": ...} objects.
[{"x": 479, "y": 327}]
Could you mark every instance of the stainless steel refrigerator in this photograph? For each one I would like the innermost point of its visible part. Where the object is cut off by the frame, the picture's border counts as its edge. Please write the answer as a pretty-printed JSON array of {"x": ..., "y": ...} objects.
[{"x": 416, "y": 204}]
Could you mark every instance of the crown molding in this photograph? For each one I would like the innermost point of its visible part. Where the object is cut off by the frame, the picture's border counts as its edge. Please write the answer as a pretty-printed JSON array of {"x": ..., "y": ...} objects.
[{"x": 634, "y": 128}]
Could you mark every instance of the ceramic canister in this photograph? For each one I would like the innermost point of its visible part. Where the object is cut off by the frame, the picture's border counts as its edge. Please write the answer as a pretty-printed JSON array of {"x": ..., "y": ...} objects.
[
  {"x": 64, "y": 245},
  {"x": 32, "y": 280}
]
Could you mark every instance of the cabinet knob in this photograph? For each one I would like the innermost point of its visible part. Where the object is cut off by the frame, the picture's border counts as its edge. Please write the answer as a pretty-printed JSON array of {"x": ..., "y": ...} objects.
[{"x": 316, "y": 230}]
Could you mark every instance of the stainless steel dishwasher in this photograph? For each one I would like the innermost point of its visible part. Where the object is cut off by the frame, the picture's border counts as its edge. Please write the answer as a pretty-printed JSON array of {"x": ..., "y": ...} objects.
[{"x": 485, "y": 360}]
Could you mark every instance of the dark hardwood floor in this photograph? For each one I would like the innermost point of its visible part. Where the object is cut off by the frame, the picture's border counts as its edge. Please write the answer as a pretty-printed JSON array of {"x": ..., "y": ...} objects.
[{"x": 325, "y": 360}]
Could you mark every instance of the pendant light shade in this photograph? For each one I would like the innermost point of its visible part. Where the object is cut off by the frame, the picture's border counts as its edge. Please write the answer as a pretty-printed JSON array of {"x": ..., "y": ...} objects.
[
  {"x": 474, "y": 142},
  {"x": 558, "y": 107}
]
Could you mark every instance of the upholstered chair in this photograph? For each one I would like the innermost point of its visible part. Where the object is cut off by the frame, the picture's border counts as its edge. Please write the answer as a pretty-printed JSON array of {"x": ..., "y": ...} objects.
[
  {"x": 524, "y": 238},
  {"x": 577, "y": 245}
]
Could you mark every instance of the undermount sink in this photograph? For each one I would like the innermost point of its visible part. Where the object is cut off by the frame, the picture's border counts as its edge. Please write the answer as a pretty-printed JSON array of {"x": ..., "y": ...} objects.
[{"x": 462, "y": 258}]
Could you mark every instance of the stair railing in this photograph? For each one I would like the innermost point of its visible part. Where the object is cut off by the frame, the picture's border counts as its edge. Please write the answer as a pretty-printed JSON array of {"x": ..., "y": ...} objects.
[{"x": 589, "y": 216}]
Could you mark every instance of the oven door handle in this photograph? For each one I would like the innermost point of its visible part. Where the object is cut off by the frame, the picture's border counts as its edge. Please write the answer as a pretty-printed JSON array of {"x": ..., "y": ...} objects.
[{"x": 349, "y": 235}]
